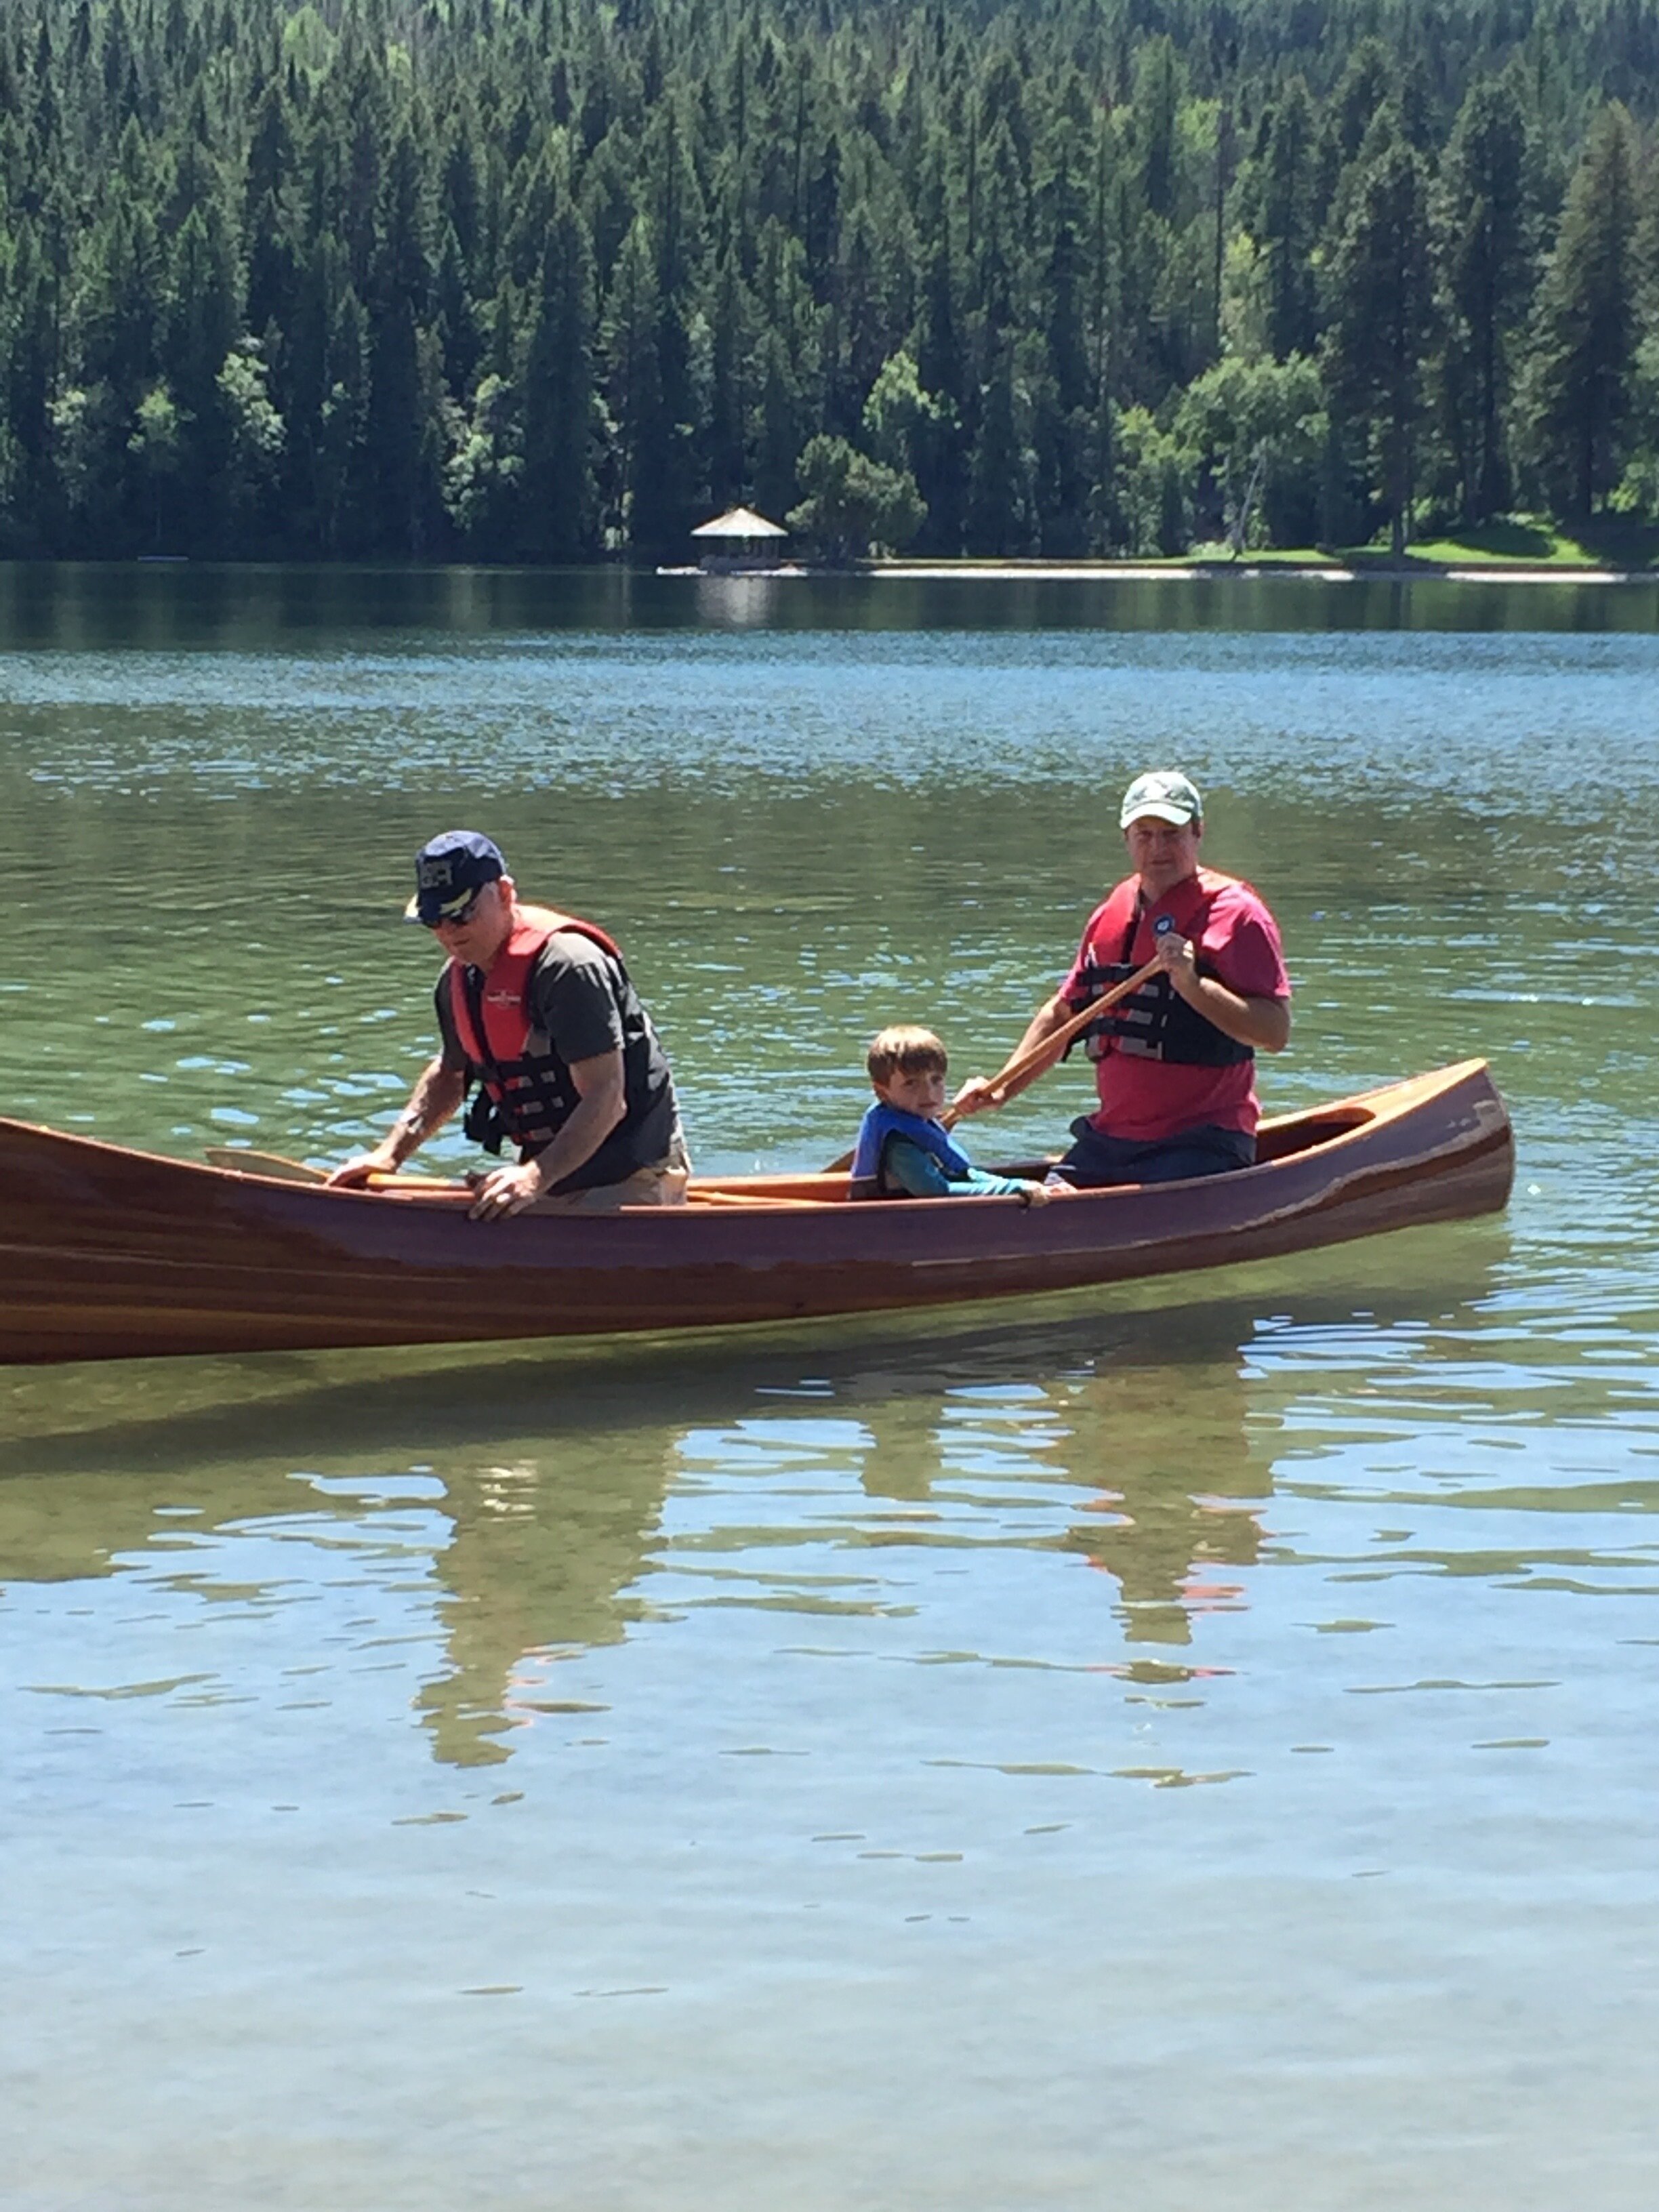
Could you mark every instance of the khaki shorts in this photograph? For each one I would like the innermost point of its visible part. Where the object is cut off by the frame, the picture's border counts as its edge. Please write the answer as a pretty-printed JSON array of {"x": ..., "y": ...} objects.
[{"x": 662, "y": 1184}]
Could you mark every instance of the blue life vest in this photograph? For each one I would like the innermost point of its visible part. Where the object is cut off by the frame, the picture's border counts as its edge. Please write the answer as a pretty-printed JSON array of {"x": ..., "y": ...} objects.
[{"x": 877, "y": 1131}]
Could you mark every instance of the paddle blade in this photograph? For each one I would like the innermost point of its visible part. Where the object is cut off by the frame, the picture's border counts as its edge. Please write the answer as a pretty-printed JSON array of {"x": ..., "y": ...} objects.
[{"x": 272, "y": 1165}]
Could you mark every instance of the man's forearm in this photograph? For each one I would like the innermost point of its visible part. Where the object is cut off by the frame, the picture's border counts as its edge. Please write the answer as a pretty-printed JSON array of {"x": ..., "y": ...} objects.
[
  {"x": 1264, "y": 1024},
  {"x": 438, "y": 1092}
]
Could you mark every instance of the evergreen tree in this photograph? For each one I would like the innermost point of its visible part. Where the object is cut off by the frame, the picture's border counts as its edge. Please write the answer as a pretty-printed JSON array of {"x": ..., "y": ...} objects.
[
  {"x": 27, "y": 324},
  {"x": 1060, "y": 380},
  {"x": 560, "y": 488},
  {"x": 1486, "y": 244},
  {"x": 634, "y": 388},
  {"x": 1285, "y": 221},
  {"x": 677, "y": 219},
  {"x": 342, "y": 467},
  {"x": 1579, "y": 376},
  {"x": 461, "y": 331},
  {"x": 1382, "y": 320},
  {"x": 997, "y": 512},
  {"x": 733, "y": 392},
  {"x": 1157, "y": 113},
  {"x": 943, "y": 367},
  {"x": 204, "y": 322},
  {"x": 782, "y": 417},
  {"x": 403, "y": 449}
]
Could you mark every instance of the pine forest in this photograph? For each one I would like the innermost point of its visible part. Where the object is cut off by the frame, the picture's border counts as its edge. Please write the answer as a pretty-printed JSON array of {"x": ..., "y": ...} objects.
[{"x": 554, "y": 280}]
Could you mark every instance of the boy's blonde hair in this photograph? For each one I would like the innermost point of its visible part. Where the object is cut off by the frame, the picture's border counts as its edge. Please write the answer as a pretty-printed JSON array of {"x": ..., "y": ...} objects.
[{"x": 904, "y": 1050}]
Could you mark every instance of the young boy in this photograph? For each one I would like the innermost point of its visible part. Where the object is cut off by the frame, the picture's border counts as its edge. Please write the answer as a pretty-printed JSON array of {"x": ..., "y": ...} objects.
[{"x": 904, "y": 1149}]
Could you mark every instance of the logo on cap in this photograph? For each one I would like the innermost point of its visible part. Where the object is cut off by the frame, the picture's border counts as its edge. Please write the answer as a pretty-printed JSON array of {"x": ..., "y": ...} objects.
[
  {"x": 1165, "y": 794},
  {"x": 450, "y": 872}
]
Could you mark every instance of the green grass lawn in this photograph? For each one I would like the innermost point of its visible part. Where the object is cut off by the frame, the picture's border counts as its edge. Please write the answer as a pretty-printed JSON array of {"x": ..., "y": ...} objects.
[
  {"x": 1612, "y": 543},
  {"x": 1517, "y": 541}
]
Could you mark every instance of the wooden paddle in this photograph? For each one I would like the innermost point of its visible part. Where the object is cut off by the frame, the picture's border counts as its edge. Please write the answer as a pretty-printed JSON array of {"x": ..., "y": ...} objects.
[
  {"x": 277, "y": 1168},
  {"x": 1044, "y": 1054},
  {"x": 263, "y": 1163},
  {"x": 280, "y": 1169}
]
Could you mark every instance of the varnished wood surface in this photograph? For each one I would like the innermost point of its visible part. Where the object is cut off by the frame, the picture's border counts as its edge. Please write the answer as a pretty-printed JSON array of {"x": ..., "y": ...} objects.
[{"x": 107, "y": 1254}]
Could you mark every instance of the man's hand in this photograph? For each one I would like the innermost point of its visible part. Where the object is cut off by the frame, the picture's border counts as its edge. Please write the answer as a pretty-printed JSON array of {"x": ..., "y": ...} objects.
[
  {"x": 507, "y": 1190},
  {"x": 439, "y": 1091},
  {"x": 976, "y": 1096},
  {"x": 1264, "y": 1024},
  {"x": 354, "y": 1174},
  {"x": 1177, "y": 956}
]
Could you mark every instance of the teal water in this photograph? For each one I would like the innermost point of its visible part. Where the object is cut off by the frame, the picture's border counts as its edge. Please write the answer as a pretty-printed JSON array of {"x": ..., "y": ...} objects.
[{"x": 1191, "y": 1743}]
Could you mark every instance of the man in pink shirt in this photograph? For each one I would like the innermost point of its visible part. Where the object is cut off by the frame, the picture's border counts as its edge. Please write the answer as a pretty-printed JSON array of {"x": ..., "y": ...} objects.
[{"x": 1174, "y": 1063}]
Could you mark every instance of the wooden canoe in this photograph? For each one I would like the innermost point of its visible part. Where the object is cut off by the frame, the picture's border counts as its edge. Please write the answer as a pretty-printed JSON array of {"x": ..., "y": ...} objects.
[{"x": 108, "y": 1254}]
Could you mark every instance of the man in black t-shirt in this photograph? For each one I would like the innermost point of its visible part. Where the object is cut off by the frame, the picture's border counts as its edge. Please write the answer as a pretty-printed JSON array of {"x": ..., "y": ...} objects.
[{"x": 536, "y": 1006}]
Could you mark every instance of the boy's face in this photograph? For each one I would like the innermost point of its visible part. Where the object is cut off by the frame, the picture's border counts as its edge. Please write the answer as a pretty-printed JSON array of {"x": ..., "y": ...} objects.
[{"x": 922, "y": 1094}]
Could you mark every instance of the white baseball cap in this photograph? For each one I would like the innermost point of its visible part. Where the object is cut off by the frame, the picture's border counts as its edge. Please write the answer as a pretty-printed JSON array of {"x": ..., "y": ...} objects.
[{"x": 1165, "y": 794}]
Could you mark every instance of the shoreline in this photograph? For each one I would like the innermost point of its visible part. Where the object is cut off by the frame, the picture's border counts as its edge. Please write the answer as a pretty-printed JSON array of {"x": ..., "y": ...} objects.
[
  {"x": 1078, "y": 572},
  {"x": 1334, "y": 571}
]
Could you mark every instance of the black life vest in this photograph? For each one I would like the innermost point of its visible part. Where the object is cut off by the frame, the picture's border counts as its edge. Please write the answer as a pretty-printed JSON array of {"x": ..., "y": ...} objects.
[{"x": 1155, "y": 1022}]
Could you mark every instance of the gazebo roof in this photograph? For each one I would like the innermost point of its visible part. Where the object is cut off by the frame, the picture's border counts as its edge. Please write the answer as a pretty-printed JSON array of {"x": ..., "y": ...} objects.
[{"x": 740, "y": 522}]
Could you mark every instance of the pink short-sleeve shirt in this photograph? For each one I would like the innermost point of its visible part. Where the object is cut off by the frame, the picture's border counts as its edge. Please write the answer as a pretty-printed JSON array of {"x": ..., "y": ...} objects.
[{"x": 1142, "y": 1100}]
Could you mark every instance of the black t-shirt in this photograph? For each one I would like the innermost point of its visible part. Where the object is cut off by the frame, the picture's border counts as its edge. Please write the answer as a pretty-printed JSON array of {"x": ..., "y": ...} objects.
[{"x": 581, "y": 1001}]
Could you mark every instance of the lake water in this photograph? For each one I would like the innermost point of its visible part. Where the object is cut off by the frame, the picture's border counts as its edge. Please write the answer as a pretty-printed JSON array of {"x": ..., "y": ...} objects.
[{"x": 1191, "y": 1745}]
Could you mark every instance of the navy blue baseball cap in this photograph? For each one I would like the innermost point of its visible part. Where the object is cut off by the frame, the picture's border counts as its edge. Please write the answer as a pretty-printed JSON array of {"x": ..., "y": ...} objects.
[{"x": 449, "y": 873}]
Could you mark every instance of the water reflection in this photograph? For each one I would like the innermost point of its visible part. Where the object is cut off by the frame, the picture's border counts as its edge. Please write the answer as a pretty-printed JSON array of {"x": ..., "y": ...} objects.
[
  {"x": 532, "y": 1508},
  {"x": 539, "y": 1562},
  {"x": 70, "y": 605},
  {"x": 1157, "y": 1431},
  {"x": 1178, "y": 1507}
]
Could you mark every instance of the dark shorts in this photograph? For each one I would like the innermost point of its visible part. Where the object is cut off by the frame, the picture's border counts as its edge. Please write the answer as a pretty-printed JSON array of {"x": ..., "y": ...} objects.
[{"x": 1096, "y": 1161}]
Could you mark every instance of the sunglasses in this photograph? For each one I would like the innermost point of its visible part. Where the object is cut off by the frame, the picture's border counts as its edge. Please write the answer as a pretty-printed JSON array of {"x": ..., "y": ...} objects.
[{"x": 456, "y": 917}]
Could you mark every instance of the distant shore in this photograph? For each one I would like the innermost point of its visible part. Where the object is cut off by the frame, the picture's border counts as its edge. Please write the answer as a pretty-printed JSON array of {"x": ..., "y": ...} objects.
[
  {"x": 1161, "y": 572},
  {"x": 1323, "y": 572}
]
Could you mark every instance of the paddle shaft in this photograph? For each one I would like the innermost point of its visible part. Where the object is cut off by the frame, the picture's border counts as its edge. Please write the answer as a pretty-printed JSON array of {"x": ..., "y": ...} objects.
[
  {"x": 1045, "y": 1052},
  {"x": 263, "y": 1163},
  {"x": 277, "y": 1168}
]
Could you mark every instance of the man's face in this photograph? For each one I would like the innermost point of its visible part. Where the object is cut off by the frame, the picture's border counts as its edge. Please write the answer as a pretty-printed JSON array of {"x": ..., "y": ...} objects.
[
  {"x": 482, "y": 929},
  {"x": 1161, "y": 853}
]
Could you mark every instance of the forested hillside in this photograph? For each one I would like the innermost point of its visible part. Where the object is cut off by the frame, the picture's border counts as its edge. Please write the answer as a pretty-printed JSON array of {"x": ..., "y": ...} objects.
[{"x": 544, "y": 279}]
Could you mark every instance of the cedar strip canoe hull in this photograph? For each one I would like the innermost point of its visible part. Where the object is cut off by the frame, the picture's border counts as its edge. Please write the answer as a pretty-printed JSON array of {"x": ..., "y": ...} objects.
[{"x": 110, "y": 1254}]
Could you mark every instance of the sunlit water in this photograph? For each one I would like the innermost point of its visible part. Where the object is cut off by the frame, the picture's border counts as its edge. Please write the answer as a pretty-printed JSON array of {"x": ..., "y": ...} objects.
[{"x": 1189, "y": 1746}]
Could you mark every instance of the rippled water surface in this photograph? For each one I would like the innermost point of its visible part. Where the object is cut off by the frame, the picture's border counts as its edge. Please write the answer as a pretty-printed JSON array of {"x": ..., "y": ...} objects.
[{"x": 1190, "y": 1745}]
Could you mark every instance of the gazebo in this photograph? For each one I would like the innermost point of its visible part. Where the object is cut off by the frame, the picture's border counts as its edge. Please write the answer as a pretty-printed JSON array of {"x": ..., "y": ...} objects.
[{"x": 739, "y": 538}]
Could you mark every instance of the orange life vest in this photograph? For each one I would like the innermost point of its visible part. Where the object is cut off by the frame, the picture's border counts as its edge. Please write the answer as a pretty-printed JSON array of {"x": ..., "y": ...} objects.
[{"x": 525, "y": 1080}]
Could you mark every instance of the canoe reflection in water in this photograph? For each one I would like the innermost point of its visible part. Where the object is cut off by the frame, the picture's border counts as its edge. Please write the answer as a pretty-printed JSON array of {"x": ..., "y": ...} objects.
[{"x": 553, "y": 1502}]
